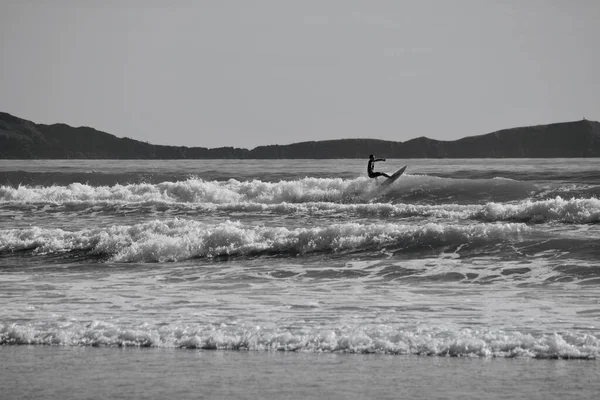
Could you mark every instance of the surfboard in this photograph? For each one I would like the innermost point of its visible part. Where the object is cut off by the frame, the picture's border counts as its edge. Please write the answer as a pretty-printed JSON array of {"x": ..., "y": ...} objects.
[{"x": 395, "y": 176}]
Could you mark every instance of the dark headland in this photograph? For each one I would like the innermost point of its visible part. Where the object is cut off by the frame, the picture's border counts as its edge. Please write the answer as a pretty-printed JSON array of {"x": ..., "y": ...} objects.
[{"x": 22, "y": 139}]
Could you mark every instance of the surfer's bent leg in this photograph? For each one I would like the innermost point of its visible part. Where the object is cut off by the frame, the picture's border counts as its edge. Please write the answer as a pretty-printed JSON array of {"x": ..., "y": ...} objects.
[{"x": 378, "y": 174}]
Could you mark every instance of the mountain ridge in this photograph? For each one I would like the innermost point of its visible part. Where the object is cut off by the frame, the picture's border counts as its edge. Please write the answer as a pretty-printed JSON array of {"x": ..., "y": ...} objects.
[{"x": 23, "y": 139}]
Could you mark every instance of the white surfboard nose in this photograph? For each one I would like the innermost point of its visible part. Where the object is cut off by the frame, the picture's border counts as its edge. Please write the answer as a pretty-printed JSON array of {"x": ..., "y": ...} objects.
[{"x": 394, "y": 176}]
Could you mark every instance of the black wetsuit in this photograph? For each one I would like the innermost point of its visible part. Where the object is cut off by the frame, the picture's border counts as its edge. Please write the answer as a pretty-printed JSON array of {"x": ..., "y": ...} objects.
[{"x": 370, "y": 171}]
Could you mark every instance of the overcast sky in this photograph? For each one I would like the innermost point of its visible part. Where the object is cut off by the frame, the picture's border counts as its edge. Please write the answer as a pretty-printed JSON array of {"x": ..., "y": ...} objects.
[{"x": 248, "y": 72}]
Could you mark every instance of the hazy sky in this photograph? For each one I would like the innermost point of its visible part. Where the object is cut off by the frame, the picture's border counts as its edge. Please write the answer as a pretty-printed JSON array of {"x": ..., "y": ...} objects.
[{"x": 249, "y": 72}]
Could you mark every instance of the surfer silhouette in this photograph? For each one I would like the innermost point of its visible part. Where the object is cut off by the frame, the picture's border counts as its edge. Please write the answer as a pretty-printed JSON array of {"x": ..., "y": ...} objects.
[{"x": 371, "y": 165}]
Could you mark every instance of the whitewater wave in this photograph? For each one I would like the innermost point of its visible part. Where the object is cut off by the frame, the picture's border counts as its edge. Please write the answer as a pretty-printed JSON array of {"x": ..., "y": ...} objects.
[
  {"x": 336, "y": 190},
  {"x": 195, "y": 191},
  {"x": 383, "y": 339},
  {"x": 179, "y": 239}
]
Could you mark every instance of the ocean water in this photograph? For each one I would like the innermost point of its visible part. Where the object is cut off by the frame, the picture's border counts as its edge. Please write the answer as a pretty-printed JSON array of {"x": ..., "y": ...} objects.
[{"x": 484, "y": 260}]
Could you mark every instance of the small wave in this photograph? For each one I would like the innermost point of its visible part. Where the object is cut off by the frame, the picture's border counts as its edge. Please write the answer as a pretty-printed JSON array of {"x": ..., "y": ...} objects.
[
  {"x": 570, "y": 211},
  {"x": 574, "y": 211},
  {"x": 432, "y": 189},
  {"x": 179, "y": 239},
  {"x": 382, "y": 339},
  {"x": 567, "y": 190}
]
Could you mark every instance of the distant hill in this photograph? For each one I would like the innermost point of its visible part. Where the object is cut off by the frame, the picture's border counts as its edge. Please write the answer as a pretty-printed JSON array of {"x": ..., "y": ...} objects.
[{"x": 22, "y": 139}]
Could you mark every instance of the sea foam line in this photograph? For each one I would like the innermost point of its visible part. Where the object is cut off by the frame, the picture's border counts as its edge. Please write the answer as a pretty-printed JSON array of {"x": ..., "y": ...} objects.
[{"x": 383, "y": 339}]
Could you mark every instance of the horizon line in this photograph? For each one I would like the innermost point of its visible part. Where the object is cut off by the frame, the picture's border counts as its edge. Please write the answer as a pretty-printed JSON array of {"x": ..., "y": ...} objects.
[{"x": 306, "y": 141}]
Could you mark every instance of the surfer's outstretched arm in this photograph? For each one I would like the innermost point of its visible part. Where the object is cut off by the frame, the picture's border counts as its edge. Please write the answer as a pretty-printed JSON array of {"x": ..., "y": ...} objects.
[{"x": 382, "y": 173}]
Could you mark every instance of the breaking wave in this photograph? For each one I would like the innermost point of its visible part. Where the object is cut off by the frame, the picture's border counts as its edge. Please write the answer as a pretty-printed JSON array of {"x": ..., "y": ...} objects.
[
  {"x": 195, "y": 191},
  {"x": 337, "y": 190},
  {"x": 179, "y": 239}
]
